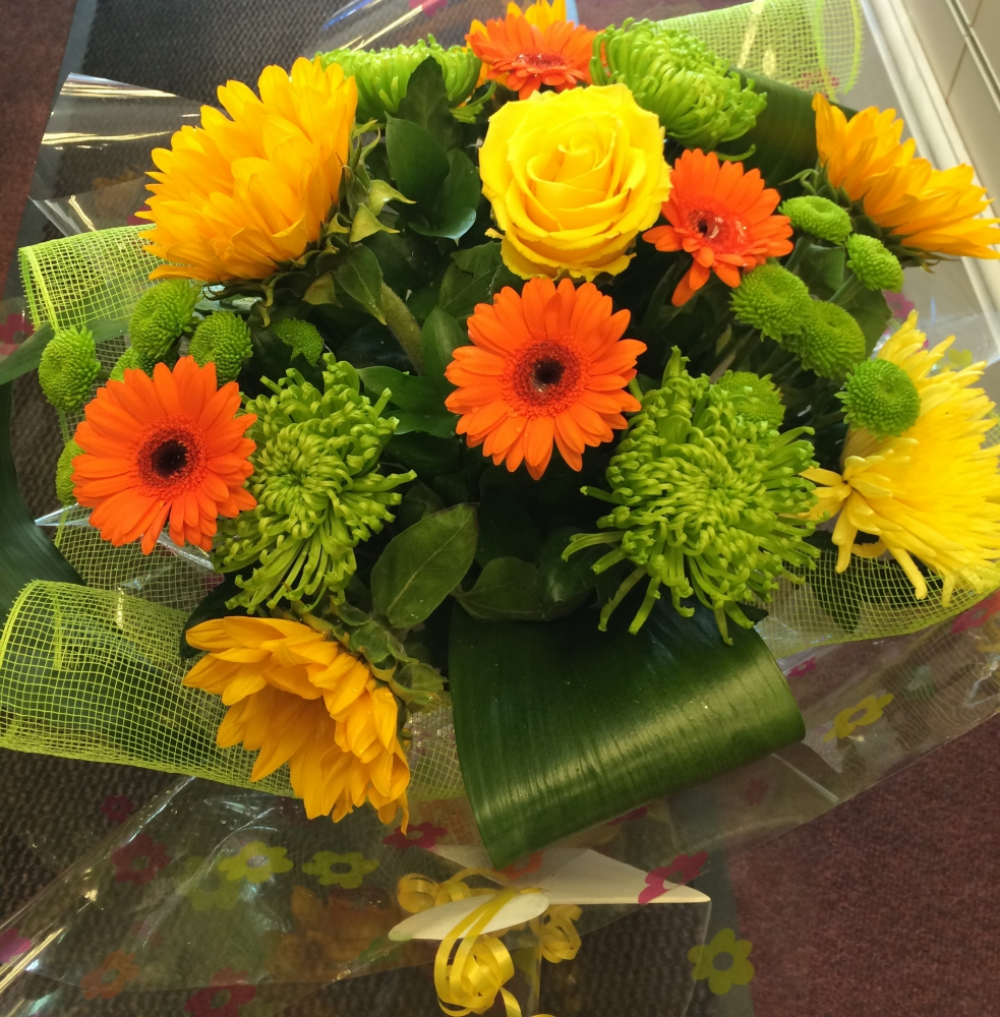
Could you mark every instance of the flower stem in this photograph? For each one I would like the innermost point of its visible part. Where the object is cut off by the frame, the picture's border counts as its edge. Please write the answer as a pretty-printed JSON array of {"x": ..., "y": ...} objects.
[
  {"x": 403, "y": 326},
  {"x": 849, "y": 289},
  {"x": 795, "y": 258}
]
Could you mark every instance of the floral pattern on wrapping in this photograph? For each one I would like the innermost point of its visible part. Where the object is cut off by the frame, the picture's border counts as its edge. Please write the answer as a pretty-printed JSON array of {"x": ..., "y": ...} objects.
[
  {"x": 682, "y": 870},
  {"x": 256, "y": 863},
  {"x": 12, "y": 945},
  {"x": 140, "y": 860},
  {"x": 225, "y": 994},
  {"x": 347, "y": 871},
  {"x": 97, "y": 984},
  {"x": 117, "y": 808},
  {"x": 222, "y": 896},
  {"x": 427, "y": 836},
  {"x": 862, "y": 714},
  {"x": 721, "y": 980}
]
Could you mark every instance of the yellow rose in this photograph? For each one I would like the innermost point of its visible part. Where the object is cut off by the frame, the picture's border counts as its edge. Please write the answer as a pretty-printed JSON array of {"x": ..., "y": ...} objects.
[{"x": 573, "y": 176}]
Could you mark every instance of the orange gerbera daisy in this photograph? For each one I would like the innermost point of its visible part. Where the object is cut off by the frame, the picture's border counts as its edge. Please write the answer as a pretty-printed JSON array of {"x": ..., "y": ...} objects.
[
  {"x": 547, "y": 365},
  {"x": 171, "y": 445},
  {"x": 539, "y": 47},
  {"x": 722, "y": 217}
]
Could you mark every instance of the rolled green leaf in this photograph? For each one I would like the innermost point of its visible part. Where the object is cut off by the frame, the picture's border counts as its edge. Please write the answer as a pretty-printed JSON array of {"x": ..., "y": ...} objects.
[{"x": 560, "y": 727}]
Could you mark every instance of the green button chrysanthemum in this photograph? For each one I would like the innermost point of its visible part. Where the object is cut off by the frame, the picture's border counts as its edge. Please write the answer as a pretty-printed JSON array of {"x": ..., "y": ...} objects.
[
  {"x": 819, "y": 217},
  {"x": 69, "y": 368},
  {"x": 129, "y": 359},
  {"x": 874, "y": 264},
  {"x": 303, "y": 338},
  {"x": 830, "y": 342},
  {"x": 64, "y": 473},
  {"x": 383, "y": 75},
  {"x": 773, "y": 301},
  {"x": 880, "y": 397},
  {"x": 754, "y": 398},
  {"x": 161, "y": 316},
  {"x": 318, "y": 489},
  {"x": 706, "y": 503},
  {"x": 224, "y": 339},
  {"x": 699, "y": 100}
]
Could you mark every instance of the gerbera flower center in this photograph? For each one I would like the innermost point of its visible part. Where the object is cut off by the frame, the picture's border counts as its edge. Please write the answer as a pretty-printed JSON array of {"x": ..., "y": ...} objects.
[
  {"x": 540, "y": 61},
  {"x": 546, "y": 377},
  {"x": 169, "y": 457},
  {"x": 715, "y": 230}
]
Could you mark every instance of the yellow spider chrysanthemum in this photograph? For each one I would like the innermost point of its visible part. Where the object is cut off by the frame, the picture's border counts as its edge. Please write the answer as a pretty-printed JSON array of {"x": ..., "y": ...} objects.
[
  {"x": 930, "y": 210},
  {"x": 932, "y": 493},
  {"x": 239, "y": 195},
  {"x": 304, "y": 700}
]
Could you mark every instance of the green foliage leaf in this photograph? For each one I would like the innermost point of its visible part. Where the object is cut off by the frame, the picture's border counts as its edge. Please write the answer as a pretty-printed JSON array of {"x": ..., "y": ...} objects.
[
  {"x": 419, "y": 400},
  {"x": 426, "y": 104},
  {"x": 408, "y": 261},
  {"x": 440, "y": 337},
  {"x": 506, "y": 590},
  {"x": 506, "y": 528},
  {"x": 872, "y": 313},
  {"x": 359, "y": 275},
  {"x": 560, "y": 580},
  {"x": 822, "y": 270},
  {"x": 560, "y": 727},
  {"x": 452, "y": 210},
  {"x": 417, "y": 162},
  {"x": 424, "y": 453},
  {"x": 474, "y": 276},
  {"x": 423, "y": 564},
  {"x": 25, "y": 552},
  {"x": 418, "y": 502}
]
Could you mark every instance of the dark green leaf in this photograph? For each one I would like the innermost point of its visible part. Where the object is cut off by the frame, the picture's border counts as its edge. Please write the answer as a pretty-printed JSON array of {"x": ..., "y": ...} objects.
[
  {"x": 507, "y": 590},
  {"x": 872, "y": 313},
  {"x": 426, "y": 103},
  {"x": 359, "y": 275},
  {"x": 373, "y": 345},
  {"x": 560, "y": 727},
  {"x": 413, "y": 392},
  {"x": 418, "y": 502},
  {"x": 473, "y": 277},
  {"x": 452, "y": 210},
  {"x": 822, "y": 270},
  {"x": 561, "y": 580},
  {"x": 421, "y": 566},
  {"x": 408, "y": 261},
  {"x": 438, "y": 424},
  {"x": 25, "y": 552},
  {"x": 417, "y": 162},
  {"x": 424, "y": 453},
  {"x": 506, "y": 528},
  {"x": 440, "y": 337},
  {"x": 425, "y": 684},
  {"x": 376, "y": 643},
  {"x": 213, "y": 606}
]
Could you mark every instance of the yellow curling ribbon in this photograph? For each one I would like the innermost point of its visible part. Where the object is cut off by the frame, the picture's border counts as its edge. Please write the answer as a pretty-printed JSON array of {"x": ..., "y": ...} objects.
[{"x": 470, "y": 981}]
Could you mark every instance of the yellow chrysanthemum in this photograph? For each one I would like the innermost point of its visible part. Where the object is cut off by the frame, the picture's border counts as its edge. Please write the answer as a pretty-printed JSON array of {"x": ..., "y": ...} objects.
[
  {"x": 304, "y": 700},
  {"x": 241, "y": 194},
  {"x": 932, "y": 493},
  {"x": 931, "y": 210}
]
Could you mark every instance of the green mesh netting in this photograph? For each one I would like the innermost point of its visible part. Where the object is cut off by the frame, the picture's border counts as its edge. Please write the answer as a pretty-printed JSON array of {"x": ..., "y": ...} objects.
[
  {"x": 811, "y": 44},
  {"x": 90, "y": 277}
]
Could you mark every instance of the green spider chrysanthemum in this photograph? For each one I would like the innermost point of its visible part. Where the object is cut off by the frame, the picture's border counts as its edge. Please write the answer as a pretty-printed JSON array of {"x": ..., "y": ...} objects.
[
  {"x": 819, "y": 217},
  {"x": 68, "y": 368},
  {"x": 699, "y": 100},
  {"x": 162, "y": 315},
  {"x": 224, "y": 339},
  {"x": 773, "y": 301},
  {"x": 303, "y": 338},
  {"x": 755, "y": 398},
  {"x": 65, "y": 491},
  {"x": 706, "y": 502},
  {"x": 880, "y": 397},
  {"x": 132, "y": 358},
  {"x": 383, "y": 75},
  {"x": 830, "y": 342},
  {"x": 874, "y": 264},
  {"x": 318, "y": 489}
]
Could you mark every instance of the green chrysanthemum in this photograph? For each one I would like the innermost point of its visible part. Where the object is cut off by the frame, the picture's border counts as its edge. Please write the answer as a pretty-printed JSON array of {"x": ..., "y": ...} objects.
[
  {"x": 874, "y": 264},
  {"x": 830, "y": 342},
  {"x": 318, "y": 489},
  {"x": 707, "y": 503},
  {"x": 69, "y": 368},
  {"x": 161, "y": 316},
  {"x": 819, "y": 217},
  {"x": 65, "y": 491},
  {"x": 756, "y": 399},
  {"x": 383, "y": 75},
  {"x": 303, "y": 338},
  {"x": 699, "y": 100},
  {"x": 880, "y": 397},
  {"x": 224, "y": 339},
  {"x": 773, "y": 301},
  {"x": 132, "y": 358}
]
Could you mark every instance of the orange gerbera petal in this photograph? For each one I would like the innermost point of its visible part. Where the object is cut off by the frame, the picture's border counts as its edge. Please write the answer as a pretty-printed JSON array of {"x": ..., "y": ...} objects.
[
  {"x": 164, "y": 447},
  {"x": 722, "y": 217},
  {"x": 525, "y": 51},
  {"x": 562, "y": 375}
]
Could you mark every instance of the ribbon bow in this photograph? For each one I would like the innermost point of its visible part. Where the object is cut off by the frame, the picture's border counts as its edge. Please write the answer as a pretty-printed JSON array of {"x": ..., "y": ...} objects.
[{"x": 471, "y": 980}]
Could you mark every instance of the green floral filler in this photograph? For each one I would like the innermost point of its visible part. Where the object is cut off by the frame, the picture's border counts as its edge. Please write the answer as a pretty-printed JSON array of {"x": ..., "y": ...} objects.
[
  {"x": 129, "y": 359},
  {"x": 224, "y": 339},
  {"x": 754, "y": 398},
  {"x": 880, "y": 397},
  {"x": 161, "y": 316},
  {"x": 819, "y": 217},
  {"x": 303, "y": 338},
  {"x": 707, "y": 503},
  {"x": 773, "y": 301},
  {"x": 699, "y": 100},
  {"x": 383, "y": 75},
  {"x": 831, "y": 341},
  {"x": 69, "y": 368},
  {"x": 317, "y": 486},
  {"x": 65, "y": 490},
  {"x": 874, "y": 264}
]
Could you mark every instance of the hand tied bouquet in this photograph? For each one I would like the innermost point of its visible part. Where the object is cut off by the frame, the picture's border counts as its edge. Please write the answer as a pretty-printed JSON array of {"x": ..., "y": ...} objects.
[{"x": 526, "y": 376}]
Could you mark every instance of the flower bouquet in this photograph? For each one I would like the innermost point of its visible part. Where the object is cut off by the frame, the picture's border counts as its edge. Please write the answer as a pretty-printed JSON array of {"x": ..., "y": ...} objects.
[{"x": 491, "y": 417}]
